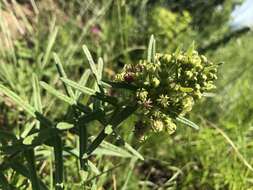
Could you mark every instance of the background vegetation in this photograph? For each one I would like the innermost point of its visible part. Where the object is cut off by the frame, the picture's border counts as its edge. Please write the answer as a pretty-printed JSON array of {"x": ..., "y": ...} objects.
[{"x": 218, "y": 156}]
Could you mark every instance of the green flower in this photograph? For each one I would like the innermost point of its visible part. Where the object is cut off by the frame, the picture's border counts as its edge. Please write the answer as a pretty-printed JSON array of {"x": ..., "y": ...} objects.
[
  {"x": 163, "y": 100},
  {"x": 168, "y": 86}
]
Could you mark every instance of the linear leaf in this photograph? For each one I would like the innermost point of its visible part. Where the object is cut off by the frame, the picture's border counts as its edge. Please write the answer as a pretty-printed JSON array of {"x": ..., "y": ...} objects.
[
  {"x": 187, "y": 122},
  {"x": 83, "y": 81},
  {"x": 18, "y": 100},
  {"x": 79, "y": 87},
  {"x": 51, "y": 42},
  {"x": 133, "y": 151},
  {"x": 63, "y": 74},
  {"x": 100, "y": 69},
  {"x": 64, "y": 126},
  {"x": 91, "y": 61},
  {"x": 57, "y": 94},
  {"x": 36, "y": 94},
  {"x": 150, "y": 48},
  {"x": 93, "y": 168}
]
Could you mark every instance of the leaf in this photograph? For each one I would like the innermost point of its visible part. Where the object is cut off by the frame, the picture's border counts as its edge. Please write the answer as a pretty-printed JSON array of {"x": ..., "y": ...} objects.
[
  {"x": 153, "y": 51},
  {"x": 77, "y": 86},
  {"x": 18, "y": 100},
  {"x": 57, "y": 94},
  {"x": 187, "y": 122},
  {"x": 83, "y": 81},
  {"x": 150, "y": 48},
  {"x": 51, "y": 42},
  {"x": 36, "y": 94},
  {"x": 100, "y": 69},
  {"x": 93, "y": 168},
  {"x": 91, "y": 61},
  {"x": 133, "y": 151},
  {"x": 63, "y": 74},
  {"x": 191, "y": 49},
  {"x": 64, "y": 126},
  {"x": 28, "y": 127},
  {"x": 29, "y": 139}
]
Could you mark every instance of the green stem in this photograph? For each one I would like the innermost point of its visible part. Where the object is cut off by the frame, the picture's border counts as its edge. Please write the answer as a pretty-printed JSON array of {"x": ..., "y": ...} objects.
[
  {"x": 29, "y": 154},
  {"x": 83, "y": 143},
  {"x": 224, "y": 40},
  {"x": 116, "y": 119},
  {"x": 58, "y": 164}
]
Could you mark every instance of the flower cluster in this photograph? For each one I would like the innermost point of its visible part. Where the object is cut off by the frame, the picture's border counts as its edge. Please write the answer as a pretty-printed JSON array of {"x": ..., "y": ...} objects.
[{"x": 169, "y": 85}]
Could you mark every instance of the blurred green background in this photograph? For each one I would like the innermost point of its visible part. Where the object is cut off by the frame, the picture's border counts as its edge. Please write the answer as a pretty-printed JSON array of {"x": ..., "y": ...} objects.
[{"x": 218, "y": 156}]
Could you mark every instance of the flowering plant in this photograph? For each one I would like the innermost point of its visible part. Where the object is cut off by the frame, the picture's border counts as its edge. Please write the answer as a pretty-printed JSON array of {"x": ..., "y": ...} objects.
[
  {"x": 167, "y": 85},
  {"x": 163, "y": 88}
]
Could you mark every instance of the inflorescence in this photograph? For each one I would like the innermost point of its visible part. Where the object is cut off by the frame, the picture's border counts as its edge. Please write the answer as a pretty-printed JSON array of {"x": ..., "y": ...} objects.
[{"x": 169, "y": 85}]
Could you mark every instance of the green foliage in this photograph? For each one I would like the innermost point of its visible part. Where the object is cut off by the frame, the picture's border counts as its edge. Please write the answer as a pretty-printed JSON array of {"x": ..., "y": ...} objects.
[
  {"x": 56, "y": 107},
  {"x": 170, "y": 28}
]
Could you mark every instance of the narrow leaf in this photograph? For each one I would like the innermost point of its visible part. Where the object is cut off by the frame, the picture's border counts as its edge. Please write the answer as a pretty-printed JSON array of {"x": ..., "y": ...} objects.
[
  {"x": 57, "y": 94},
  {"x": 133, "y": 151},
  {"x": 17, "y": 100},
  {"x": 150, "y": 48},
  {"x": 63, "y": 74},
  {"x": 36, "y": 94},
  {"x": 100, "y": 69},
  {"x": 83, "y": 81},
  {"x": 64, "y": 126},
  {"x": 187, "y": 122},
  {"x": 77, "y": 86},
  {"x": 51, "y": 42},
  {"x": 91, "y": 61}
]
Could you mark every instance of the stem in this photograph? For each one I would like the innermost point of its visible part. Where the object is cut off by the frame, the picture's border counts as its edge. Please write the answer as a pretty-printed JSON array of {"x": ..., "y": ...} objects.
[
  {"x": 116, "y": 119},
  {"x": 83, "y": 143},
  {"x": 226, "y": 38},
  {"x": 29, "y": 154},
  {"x": 58, "y": 164}
]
